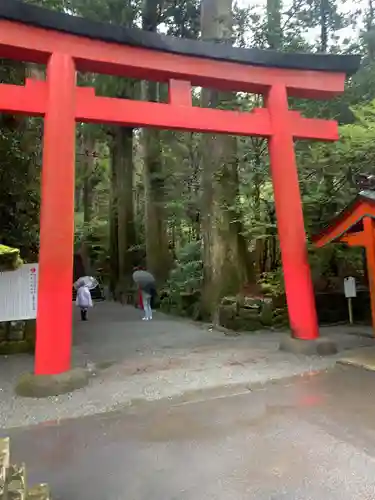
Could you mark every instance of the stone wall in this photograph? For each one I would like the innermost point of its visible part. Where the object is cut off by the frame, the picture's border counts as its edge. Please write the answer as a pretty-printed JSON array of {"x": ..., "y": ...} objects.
[
  {"x": 251, "y": 314},
  {"x": 13, "y": 485},
  {"x": 17, "y": 337}
]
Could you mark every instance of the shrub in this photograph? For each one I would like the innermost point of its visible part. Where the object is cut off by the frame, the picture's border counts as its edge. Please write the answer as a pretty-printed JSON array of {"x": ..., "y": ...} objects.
[{"x": 182, "y": 290}]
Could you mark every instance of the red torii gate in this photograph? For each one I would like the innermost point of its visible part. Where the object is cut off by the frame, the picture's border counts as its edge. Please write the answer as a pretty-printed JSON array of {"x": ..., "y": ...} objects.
[
  {"x": 355, "y": 227},
  {"x": 67, "y": 44}
]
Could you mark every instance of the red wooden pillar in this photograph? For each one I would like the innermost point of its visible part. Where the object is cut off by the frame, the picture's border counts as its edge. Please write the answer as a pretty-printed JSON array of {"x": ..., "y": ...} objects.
[
  {"x": 369, "y": 228},
  {"x": 54, "y": 316},
  {"x": 292, "y": 237}
]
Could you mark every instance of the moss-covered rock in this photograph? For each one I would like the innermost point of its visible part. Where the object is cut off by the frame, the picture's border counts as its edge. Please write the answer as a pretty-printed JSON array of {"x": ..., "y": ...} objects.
[
  {"x": 10, "y": 258},
  {"x": 227, "y": 313},
  {"x": 230, "y": 301},
  {"x": 280, "y": 318},
  {"x": 3, "y": 331},
  {"x": 17, "y": 337},
  {"x": 16, "y": 330},
  {"x": 30, "y": 333},
  {"x": 266, "y": 314},
  {"x": 41, "y": 386},
  {"x": 8, "y": 347},
  {"x": 250, "y": 313},
  {"x": 247, "y": 325}
]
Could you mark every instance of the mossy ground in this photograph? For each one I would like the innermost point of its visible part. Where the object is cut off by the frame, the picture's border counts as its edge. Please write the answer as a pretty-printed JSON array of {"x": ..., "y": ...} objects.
[{"x": 41, "y": 386}]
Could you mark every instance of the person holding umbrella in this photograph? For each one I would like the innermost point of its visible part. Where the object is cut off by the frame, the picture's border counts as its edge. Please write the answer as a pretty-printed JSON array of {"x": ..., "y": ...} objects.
[
  {"x": 147, "y": 284},
  {"x": 84, "y": 300}
]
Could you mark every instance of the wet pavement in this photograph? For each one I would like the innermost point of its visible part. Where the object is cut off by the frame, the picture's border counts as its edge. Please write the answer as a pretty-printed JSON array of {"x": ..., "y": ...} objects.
[
  {"x": 306, "y": 437},
  {"x": 163, "y": 358}
]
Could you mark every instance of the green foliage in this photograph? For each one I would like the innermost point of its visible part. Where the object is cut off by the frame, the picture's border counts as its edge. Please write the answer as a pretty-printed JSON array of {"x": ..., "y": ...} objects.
[
  {"x": 272, "y": 283},
  {"x": 10, "y": 259},
  {"x": 95, "y": 236},
  {"x": 19, "y": 173},
  {"x": 328, "y": 173},
  {"x": 185, "y": 280}
]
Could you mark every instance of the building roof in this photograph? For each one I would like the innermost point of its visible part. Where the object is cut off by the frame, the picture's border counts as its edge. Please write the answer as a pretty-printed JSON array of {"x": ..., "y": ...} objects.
[
  {"x": 15, "y": 10},
  {"x": 348, "y": 219}
]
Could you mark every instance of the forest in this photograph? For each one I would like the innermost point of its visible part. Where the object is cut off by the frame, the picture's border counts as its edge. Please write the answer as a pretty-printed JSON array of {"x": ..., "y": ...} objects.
[{"x": 197, "y": 210}]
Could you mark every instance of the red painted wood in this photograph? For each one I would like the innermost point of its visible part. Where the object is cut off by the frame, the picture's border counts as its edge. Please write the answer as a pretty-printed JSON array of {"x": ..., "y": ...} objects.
[
  {"x": 290, "y": 223},
  {"x": 54, "y": 316},
  {"x": 30, "y": 99},
  {"x": 343, "y": 223},
  {"x": 90, "y": 108},
  {"x": 354, "y": 239},
  {"x": 369, "y": 233},
  {"x": 28, "y": 43},
  {"x": 180, "y": 93},
  {"x": 312, "y": 128},
  {"x": 62, "y": 103},
  {"x": 337, "y": 231}
]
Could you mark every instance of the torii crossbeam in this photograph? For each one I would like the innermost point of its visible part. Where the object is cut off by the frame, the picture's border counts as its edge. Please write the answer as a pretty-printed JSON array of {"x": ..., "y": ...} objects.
[{"x": 67, "y": 44}]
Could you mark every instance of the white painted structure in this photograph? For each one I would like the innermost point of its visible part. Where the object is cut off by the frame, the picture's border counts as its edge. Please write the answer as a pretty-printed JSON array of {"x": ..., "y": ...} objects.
[
  {"x": 18, "y": 293},
  {"x": 350, "y": 288}
]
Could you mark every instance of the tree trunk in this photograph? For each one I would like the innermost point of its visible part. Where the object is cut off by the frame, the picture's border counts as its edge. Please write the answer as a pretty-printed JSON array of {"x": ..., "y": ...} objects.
[
  {"x": 274, "y": 31},
  {"x": 370, "y": 31},
  {"x": 157, "y": 245},
  {"x": 88, "y": 170},
  {"x": 224, "y": 248},
  {"x": 324, "y": 13},
  {"x": 113, "y": 228},
  {"x": 123, "y": 156}
]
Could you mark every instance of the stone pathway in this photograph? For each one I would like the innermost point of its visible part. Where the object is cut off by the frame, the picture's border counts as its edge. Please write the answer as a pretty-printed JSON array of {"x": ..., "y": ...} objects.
[{"x": 160, "y": 359}]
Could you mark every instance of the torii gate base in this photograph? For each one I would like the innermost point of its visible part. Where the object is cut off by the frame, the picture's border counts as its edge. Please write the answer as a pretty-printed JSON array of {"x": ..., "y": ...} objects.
[{"x": 67, "y": 44}]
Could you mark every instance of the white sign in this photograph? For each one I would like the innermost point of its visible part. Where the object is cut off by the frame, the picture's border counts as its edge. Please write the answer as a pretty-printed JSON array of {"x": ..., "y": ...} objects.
[
  {"x": 18, "y": 293},
  {"x": 350, "y": 287}
]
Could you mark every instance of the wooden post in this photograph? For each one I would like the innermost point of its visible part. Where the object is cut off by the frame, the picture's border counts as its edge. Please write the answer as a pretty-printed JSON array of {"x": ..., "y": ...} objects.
[
  {"x": 369, "y": 228},
  {"x": 291, "y": 229},
  {"x": 350, "y": 310},
  {"x": 54, "y": 315}
]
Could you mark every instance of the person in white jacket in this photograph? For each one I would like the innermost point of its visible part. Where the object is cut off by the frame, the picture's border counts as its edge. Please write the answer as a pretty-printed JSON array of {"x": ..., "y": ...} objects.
[{"x": 83, "y": 300}]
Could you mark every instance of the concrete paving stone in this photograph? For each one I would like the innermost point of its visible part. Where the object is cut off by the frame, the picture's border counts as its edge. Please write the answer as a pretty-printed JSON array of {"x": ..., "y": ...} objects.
[
  {"x": 363, "y": 357},
  {"x": 302, "y": 438}
]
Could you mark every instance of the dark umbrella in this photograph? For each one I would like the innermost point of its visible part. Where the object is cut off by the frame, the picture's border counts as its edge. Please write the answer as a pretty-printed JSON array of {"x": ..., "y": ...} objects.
[{"x": 143, "y": 278}]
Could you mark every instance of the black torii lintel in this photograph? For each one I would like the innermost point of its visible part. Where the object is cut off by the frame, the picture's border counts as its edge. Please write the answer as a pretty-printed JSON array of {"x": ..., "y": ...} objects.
[{"x": 18, "y": 11}]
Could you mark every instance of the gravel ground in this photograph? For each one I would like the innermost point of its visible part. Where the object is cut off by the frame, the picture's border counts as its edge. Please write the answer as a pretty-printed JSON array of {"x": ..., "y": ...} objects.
[
  {"x": 118, "y": 386},
  {"x": 152, "y": 361}
]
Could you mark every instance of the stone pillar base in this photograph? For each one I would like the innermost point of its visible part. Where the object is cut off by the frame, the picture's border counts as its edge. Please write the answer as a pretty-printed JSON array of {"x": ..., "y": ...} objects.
[
  {"x": 42, "y": 386},
  {"x": 321, "y": 346}
]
